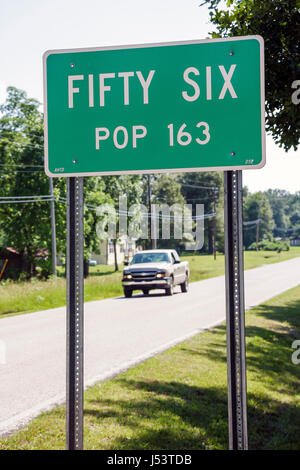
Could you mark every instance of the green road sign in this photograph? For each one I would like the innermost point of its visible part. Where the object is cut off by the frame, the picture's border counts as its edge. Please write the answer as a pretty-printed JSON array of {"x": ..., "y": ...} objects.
[{"x": 187, "y": 106}]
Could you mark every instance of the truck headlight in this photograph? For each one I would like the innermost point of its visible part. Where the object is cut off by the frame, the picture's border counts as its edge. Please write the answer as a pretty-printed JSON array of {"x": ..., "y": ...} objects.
[
  {"x": 160, "y": 275},
  {"x": 128, "y": 276}
]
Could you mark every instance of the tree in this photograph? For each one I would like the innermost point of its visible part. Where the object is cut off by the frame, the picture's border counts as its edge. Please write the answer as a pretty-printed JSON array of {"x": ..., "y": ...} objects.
[
  {"x": 286, "y": 211},
  {"x": 129, "y": 187},
  {"x": 207, "y": 188},
  {"x": 26, "y": 226},
  {"x": 258, "y": 218},
  {"x": 293, "y": 210},
  {"x": 277, "y": 21},
  {"x": 94, "y": 196},
  {"x": 166, "y": 193},
  {"x": 279, "y": 204}
]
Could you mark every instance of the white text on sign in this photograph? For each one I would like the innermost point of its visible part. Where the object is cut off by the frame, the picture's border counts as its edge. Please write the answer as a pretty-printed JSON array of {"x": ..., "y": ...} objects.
[
  {"x": 106, "y": 85},
  {"x": 121, "y": 136}
]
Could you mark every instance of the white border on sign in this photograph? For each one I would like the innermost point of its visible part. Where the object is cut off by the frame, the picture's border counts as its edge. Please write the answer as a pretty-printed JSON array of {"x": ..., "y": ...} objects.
[{"x": 169, "y": 170}]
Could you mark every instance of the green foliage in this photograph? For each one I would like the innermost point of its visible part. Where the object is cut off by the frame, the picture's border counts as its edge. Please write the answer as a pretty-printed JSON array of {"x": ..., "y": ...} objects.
[
  {"x": 277, "y": 21},
  {"x": 206, "y": 188},
  {"x": 296, "y": 231},
  {"x": 270, "y": 245},
  {"x": 166, "y": 189},
  {"x": 124, "y": 192},
  {"x": 257, "y": 208},
  {"x": 94, "y": 195},
  {"x": 26, "y": 227},
  {"x": 278, "y": 201},
  {"x": 286, "y": 211}
]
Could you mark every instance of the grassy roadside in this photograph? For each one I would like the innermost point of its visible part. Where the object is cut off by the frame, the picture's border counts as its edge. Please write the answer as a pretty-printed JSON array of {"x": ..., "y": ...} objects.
[
  {"x": 178, "y": 399},
  {"x": 26, "y": 297}
]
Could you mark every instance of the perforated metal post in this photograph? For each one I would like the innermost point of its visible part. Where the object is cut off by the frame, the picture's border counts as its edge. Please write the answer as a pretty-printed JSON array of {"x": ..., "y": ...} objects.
[
  {"x": 74, "y": 416},
  {"x": 235, "y": 312}
]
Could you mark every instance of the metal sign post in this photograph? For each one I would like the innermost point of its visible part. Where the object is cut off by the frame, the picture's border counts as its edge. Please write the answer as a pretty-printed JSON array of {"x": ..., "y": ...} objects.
[
  {"x": 235, "y": 312},
  {"x": 74, "y": 415}
]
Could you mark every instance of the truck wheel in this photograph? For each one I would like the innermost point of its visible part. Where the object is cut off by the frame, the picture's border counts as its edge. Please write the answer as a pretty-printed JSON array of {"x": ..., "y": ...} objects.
[
  {"x": 127, "y": 292},
  {"x": 170, "y": 290},
  {"x": 185, "y": 285}
]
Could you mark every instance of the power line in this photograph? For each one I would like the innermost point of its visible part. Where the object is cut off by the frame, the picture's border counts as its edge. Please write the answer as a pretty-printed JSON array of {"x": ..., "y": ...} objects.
[
  {"x": 21, "y": 165},
  {"x": 215, "y": 188},
  {"x": 25, "y": 134},
  {"x": 24, "y": 197},
  {"x": 19, "y": 171},
  {"x": 24, "y": 144},
  {"x": 143, "y": 214},
  {"x": 25, "y": 201},
  {"x": 250, "y": 222}
]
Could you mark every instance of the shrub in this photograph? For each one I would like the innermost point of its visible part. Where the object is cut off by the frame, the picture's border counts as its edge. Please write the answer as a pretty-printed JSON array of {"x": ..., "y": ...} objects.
[{"x": 267, "y": 245}]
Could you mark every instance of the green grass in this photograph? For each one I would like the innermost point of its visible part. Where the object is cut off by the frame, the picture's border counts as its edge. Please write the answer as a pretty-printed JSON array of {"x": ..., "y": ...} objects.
[
  {"x": 178, "y": 399},
  {"x": 26, "y": 297},
  {"x": 204, "y": 266}
]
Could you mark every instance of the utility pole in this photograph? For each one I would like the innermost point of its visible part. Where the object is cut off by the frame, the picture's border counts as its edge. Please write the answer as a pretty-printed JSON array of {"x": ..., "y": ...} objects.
[
  {"x": 152, "y": 243},
  {"x": 53, "y": 228},
  {"x": 257, "y": 226}
]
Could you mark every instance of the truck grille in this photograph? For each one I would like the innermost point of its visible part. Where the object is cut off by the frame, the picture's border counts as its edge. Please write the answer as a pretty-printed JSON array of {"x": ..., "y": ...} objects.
[{"x": 143, "y": 275}]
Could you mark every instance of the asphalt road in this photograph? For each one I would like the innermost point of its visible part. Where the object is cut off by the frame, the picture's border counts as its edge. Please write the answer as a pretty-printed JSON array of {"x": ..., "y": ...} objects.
[{"x": 119, "y": 333}]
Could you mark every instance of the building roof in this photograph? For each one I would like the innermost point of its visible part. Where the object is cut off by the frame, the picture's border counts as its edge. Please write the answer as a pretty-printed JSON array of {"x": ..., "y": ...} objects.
[{"x": 9, "y": 249}]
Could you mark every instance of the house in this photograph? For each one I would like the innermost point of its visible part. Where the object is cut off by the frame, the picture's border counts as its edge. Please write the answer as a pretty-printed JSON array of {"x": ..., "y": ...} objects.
[
  {"x": 295, "y": 241},
  {"x": 10, "y": 263},
  {"x": 13, "y": 263},
  {"x": 125, "y": 249}
]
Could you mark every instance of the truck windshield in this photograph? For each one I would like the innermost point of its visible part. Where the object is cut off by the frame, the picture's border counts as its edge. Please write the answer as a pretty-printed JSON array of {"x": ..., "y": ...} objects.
[{"x": 150, "y": 258}]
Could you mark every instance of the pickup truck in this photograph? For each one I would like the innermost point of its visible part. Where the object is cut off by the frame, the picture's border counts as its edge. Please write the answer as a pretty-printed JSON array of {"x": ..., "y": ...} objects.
[{"x": 155, "y": 269}]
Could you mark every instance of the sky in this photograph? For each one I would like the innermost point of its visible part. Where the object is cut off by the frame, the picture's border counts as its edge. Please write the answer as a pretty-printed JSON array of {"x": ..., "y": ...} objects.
[{"x": 28, "y": 28}]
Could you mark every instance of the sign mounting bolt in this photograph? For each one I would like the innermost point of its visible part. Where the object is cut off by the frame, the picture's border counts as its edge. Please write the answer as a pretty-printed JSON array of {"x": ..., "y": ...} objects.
[
  {"x": 74, "y": 161},
  {"x": 232, "y": 153},
  {"x": 72, "y": 65},
  {"x": 231, "y": 53}
]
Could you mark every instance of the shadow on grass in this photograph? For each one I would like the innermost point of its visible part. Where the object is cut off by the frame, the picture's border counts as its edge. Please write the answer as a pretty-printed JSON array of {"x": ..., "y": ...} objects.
[
  {"x": 268, "y": 350},
  {"x": 173, "y": 415},
  {"x": 6, "y": 312},
  {"x": 290, "y": 313},
  {"x": 268, "y": 355},
  {"x": 170, "y": 415}
]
